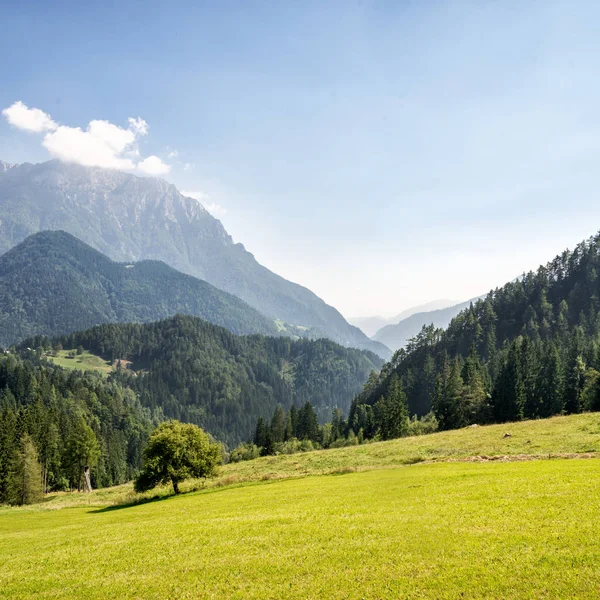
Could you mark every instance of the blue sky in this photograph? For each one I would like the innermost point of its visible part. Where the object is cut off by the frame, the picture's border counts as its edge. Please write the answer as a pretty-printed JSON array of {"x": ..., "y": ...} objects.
[{"x": 381, "y": 153}]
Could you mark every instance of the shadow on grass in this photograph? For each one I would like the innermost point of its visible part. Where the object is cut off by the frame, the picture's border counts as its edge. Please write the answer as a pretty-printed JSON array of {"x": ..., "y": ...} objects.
[{"x": 131, "y": 504}]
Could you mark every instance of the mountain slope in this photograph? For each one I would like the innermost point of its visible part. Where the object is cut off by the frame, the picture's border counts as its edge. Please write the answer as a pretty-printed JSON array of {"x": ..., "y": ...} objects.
[
  {"x": 131, "y": 218},
  {"x": 52, "y": 283},
  {"x": 396, "y": 336},
  {"x": 201, "y": 373},
  {"x": 529, "y": 349},
  {"x": 426, "y": 307}
]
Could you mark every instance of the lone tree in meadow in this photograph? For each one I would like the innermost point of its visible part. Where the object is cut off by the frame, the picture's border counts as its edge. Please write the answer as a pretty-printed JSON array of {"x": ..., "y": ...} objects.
[{"x": 175, "y": 452}]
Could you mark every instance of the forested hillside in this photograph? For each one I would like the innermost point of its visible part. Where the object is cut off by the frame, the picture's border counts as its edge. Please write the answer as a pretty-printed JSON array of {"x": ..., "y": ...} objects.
[
  {"x": 52, "y": 284},
  {"x": 200, "y": 373},
  {"x": 529, "y": 349},
  {"x": 65, "y": 421}
]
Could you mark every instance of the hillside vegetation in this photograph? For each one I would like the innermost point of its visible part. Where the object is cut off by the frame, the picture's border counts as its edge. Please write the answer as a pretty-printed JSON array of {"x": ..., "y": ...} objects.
[
  {"x": 558, "y": 437},
  {"x": 395, "y": 335},
  {"x": 52, "y": 284},
  {"x": 72, "y": 407},
  {"x": 529, "y": 349},
  {"x": 199, "y": 373}
]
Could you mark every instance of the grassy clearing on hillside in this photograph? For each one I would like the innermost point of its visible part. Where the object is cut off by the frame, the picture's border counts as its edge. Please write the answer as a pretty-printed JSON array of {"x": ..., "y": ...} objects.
[
  {"x": 451, "y": 530},
  {"x": 81, "y": 362}
]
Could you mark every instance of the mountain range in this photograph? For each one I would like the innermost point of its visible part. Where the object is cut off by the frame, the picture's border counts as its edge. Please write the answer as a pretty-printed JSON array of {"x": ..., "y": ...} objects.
[
  {"x": 131, "y": 218},
  {"x": 371, "y": 325},
  {"x": 52, "y": 284},
  {"x": 396, "y": 336}
]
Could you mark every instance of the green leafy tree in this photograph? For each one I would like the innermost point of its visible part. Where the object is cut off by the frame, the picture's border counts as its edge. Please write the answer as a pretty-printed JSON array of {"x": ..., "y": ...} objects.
[{"x": 176, "y": 452}]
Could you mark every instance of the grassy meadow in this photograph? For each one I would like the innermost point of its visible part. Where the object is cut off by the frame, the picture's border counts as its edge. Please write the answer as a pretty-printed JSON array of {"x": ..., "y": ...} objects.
[
  {"x": 81, "y": 362},
  {"x": 459, "y": 514}
]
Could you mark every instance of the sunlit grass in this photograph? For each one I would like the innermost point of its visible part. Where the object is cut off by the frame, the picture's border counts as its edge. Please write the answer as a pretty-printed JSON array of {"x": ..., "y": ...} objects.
[
  {"x": 450, "y": 530},
  {"x": 559, "y": 437},
  {"x": 81, "y": 362}
]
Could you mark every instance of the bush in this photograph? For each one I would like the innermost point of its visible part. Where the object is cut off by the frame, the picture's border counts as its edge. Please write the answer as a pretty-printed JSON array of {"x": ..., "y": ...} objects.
[{"x": 247, "y": 451}]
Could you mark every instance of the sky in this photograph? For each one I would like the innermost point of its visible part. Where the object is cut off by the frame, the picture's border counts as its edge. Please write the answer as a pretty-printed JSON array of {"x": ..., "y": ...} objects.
[{"x": 383, "y": 154}]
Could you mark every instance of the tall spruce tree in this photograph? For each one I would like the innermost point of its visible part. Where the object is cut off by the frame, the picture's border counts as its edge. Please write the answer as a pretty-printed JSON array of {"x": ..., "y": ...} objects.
[{"x": 25, "y": 483}]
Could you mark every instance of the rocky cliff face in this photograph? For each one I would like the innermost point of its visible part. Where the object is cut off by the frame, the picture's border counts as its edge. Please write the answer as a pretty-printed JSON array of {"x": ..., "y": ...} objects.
[{"x": 131, "y": 218}]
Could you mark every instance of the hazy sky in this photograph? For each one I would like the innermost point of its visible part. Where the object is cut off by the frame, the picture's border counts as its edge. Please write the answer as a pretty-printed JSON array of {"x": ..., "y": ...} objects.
[{"x": 381, "y": 153}]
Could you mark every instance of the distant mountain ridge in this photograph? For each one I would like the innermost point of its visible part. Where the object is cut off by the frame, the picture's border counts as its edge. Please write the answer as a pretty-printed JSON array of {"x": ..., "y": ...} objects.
[
  {"x": 54, "y": 284},
  {"x": 396, "y": 336},
  {"x": 131, "y": 218},
  {"x": 371, "y": 325}
]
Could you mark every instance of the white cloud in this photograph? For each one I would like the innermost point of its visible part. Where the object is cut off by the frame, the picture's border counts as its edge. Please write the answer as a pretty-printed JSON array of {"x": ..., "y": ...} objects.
[
  {"x": 100, "y": 144},
  {"x": 29, "y": 119},
  {"x": 139, "y": 126},
  {"x": 215, "y": 209},
  {"x": 153, "y": 166},
  {"x": 203, "y": 198},
  {"x": 172, "y": 153},
  {"x": 200, "y": 196}
]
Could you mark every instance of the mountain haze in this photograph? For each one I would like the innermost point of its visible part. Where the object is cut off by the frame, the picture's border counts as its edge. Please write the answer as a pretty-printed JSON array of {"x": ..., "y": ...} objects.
[
  {"x": 131, "y": 218},
  {"x": 371, "y": 325},
  {"x": 396, "y": 336}
]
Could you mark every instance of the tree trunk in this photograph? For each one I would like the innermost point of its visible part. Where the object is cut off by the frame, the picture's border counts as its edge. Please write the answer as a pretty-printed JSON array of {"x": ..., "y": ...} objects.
[{"x": 175, "y": 485}]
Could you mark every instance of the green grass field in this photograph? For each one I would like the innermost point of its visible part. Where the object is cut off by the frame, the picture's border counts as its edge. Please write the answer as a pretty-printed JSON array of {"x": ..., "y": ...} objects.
[
  {"x": 81, "y": 362},
  {"x": 279, "y": 527}
]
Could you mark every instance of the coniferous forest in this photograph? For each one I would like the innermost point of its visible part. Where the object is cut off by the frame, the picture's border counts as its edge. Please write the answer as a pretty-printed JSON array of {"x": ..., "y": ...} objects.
[
  {"x": 529, "y": 350},
  {"x": 55, "y": 422}
]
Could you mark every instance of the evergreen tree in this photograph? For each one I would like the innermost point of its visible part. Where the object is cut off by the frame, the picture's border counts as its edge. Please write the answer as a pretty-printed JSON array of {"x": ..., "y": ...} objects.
[
  {"x": 278, "y": 425},
  {"x": 574, "y": 381},
  {"x": 508, "y": 397},
  {"x": 392, "y": 411},
  {"x": 260, "y": 435},
  {"x": 308, "y": 425},
  {"x": 25, "y": 484}
]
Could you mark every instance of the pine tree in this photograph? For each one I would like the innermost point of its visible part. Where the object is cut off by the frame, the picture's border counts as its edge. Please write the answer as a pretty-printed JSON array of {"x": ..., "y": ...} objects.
[
  {"x": 83, "y": 450},
  {"x": 392, "y": 411},
  {"x": 278, "y": 424},
  {"x": 25, "y": 484},
  {"x": 574, "y": 382},
  {"x": 550, "y": 383},
  {"x": 508, "y": 398},
  {"x": 308, "y": 425},
  {"x": 260, "y": 434}
]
